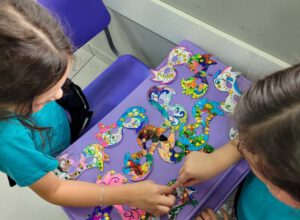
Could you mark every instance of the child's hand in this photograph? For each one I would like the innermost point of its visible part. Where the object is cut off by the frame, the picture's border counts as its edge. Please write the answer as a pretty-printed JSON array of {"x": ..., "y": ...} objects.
[
  {"x": 197, "y": 167},
  {"x": 200, "y": 166},
  {"x": 209, "y": 214},
  {"x": 151, "y": 197}
]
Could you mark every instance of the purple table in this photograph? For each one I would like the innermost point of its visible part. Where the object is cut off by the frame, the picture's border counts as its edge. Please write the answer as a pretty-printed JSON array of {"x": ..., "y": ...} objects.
[{"x": 209, "y": 194}]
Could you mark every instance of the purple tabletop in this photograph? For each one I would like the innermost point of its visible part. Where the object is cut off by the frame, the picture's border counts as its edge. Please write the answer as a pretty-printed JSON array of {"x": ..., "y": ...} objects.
[{"x": 209, "y": 194}]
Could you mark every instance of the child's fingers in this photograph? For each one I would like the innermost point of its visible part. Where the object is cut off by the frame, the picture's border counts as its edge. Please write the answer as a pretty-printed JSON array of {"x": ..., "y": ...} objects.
[
  {"x": 208, "y": 214},
  {"x": 161, "y": 210},
  {"x": 224, "y": 213},
  {"x": 181, "y": 171},
  {"x": 167, "y": 200},
  {"x": 190, "y": 182},
  {"x": 165, "y": 190},
  {"x": 173, "y": 198},
  {"x": 182, "y": 178},
  {"x": 176, "y": 184}
]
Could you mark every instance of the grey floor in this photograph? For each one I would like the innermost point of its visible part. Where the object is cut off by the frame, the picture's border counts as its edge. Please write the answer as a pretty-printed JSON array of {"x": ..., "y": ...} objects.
[{"x": 22, "y": 203}]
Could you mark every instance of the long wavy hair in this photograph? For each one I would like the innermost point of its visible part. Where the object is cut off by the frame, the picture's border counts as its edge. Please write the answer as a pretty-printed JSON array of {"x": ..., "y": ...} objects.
[
  {"x": 268, "y": 119},
  {"x": 34, "y": 54}
]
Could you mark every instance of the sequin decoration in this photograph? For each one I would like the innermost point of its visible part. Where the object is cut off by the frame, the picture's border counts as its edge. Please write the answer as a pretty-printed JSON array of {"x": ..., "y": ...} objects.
[
  {"x": 167, "y": 73},
  {"x": 132, "y": 162},
  {"x": 195, "y": 136},
  {"x": 115, "y": 179},
  {"x": 160, "y": 97},
  {"x": 152, "y": 134},
  {"x": 66, "y": 167},
  {"x": 133, "y": 167},
  {"x": 196, "y": 86},
  {"x": 97, "y": 154},
  {"x": 133, "y": 118},
  {"x": 92, "y": 156},
  {"x": 100, "y": 213},
  {"x": 198, "y": 62},
  {"x": 191, "y": 88},
  {"x": 171, "y": 150},
  {"x": 226, "y": 81},
  {"x": 184, "y": 196},
  {"x": 109, "y": 135}
]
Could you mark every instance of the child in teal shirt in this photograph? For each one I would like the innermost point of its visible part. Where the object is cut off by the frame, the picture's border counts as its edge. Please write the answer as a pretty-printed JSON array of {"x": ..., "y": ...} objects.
[
  {"x": 35, "y": 60},
  {"x": 17, "y": 142},
  {"x": 268, "y": 120}
]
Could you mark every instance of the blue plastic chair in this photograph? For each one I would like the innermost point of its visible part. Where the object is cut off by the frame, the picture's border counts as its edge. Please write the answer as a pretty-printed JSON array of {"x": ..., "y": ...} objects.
[{"x": 82, "y": 20}]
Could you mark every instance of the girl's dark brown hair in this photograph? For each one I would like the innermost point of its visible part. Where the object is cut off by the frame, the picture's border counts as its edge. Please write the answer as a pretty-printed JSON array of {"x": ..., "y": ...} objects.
[
  {"x": 268, "y": 119},
  {"x": 34, "y": 54}
]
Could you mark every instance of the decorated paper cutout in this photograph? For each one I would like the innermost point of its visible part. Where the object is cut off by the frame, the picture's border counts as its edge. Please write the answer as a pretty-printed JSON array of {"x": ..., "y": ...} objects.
[
  {"x": 195, "y": 136},
  {"x": 152, "y": 134},
  {"x": 133, "y": 118},
  {"x": 169, "y": 153},
  {"x": 132, "y": 162},
  {"x": 70, "y": 169},
  {"x": 131, "y": 214},
  {"x": 226, "y": 81},
  {"x": 167, "y": 73},
  {"x": 66, "y": 166},
  {"x": 196, "y": 86},
  {"x": 66, "y": 162},
  {"x": 100, "y": 213},
  {"x": 133, "y": 167},
  {"x": 109, "y": 135},
  {"x": 96, "y": 152},
  {"x": 184, "y": 196},
  {"x": 191, "y": 88},
  {"x": 198, "y": 62},
  {"x": 160, "y": 97},
  {"x": 115, "y": 179}
]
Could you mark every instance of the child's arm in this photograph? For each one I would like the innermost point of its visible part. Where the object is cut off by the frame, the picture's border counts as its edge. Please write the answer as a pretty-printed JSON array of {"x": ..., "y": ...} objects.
[
  {"x": 145, "y": 195},
  {"x": 199, "y": 166}
]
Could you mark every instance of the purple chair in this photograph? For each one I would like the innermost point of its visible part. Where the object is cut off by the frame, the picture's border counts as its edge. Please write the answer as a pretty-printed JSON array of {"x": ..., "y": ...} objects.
[{"x": 82, "y": 20}]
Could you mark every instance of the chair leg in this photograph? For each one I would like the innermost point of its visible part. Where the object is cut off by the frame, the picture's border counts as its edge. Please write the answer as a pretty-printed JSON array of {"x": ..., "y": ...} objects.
[{"x": 110, "y": 42}]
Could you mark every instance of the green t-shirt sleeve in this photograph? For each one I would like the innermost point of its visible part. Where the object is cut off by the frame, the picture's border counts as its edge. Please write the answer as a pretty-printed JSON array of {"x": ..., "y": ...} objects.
[{"x": 20, "y": 159}]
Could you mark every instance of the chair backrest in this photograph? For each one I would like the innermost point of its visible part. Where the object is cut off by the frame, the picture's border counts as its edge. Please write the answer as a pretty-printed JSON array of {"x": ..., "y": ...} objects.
[{"x": 81, "y": 19}]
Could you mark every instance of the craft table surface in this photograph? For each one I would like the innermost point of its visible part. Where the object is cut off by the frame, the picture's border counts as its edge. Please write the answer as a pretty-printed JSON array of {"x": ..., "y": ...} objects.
[{"x": 162, "y": 171}]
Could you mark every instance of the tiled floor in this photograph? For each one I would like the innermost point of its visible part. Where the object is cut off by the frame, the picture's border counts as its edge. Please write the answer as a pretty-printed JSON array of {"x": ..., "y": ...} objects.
[
  {"x": 22, "y": 203},
  {"x": 87, "y": 67}
]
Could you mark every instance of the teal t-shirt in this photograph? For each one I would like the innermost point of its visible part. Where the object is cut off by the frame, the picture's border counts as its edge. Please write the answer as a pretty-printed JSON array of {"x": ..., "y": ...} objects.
[
  {"x": 256, "y": 202},
  {"x": 23, "y": 156}
]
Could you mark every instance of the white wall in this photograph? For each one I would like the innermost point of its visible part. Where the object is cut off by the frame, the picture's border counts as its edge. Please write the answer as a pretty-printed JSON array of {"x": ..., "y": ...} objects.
[
  {"x": 270, "y": 25},
  {"x": 147, "y": 28}
]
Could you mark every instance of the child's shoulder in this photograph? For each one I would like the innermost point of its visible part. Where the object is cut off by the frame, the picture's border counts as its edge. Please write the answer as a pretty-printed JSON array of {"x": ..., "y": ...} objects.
[{"x": 11, "y": 128}]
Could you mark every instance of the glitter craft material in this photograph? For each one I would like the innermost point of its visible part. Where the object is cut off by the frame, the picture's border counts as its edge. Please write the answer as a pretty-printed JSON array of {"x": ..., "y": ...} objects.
[
  {"x": 133, "y": 118},
  {"x": 195, "y": 136},
  {"x": 167, "y": 73},
  {"x": 226, "y": 81},
  {"x": 160, "y": 97},
  {"x": 184, "y": 196}
]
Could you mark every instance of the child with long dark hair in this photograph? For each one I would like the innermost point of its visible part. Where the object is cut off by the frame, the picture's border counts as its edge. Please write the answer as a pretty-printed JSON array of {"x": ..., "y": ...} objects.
[
  {"x": 268, "y": 119},
  {"x": 35, "y": 60}
]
